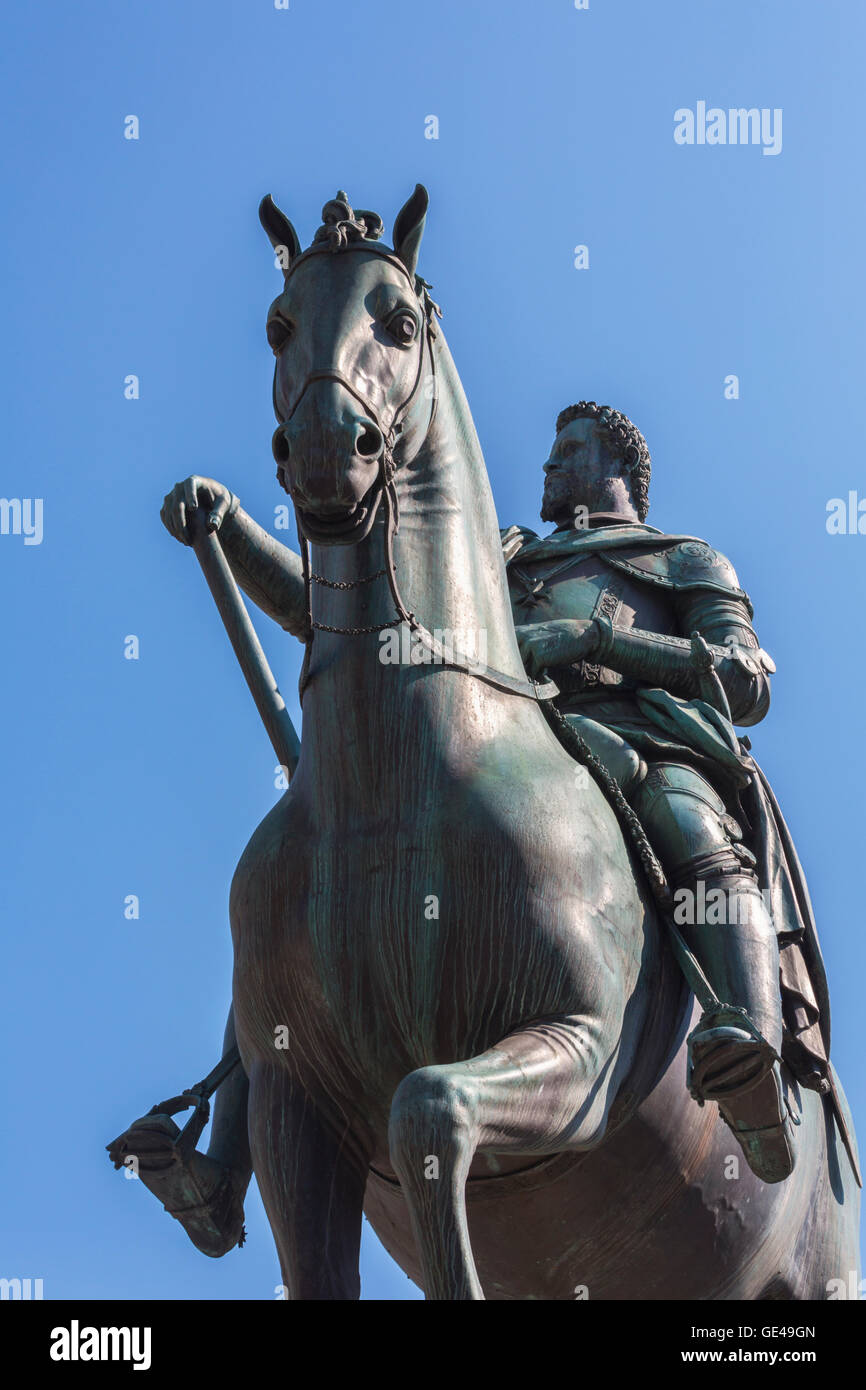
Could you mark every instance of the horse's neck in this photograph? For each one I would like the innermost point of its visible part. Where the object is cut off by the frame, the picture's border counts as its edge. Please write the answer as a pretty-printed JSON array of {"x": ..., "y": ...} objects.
[
  {"x": 450, "y": 574},
  {"x": 447, "y": 552}
]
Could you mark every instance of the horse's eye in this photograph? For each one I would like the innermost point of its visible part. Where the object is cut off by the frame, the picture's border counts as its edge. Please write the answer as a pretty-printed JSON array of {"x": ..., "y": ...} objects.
[
  {"x": 278, "y": 332},
  {"x": 403, "y": 327}
]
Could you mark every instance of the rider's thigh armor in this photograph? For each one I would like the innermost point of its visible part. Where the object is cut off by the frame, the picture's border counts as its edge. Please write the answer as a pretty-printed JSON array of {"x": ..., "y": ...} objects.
[{"x": 688, "y": 825}]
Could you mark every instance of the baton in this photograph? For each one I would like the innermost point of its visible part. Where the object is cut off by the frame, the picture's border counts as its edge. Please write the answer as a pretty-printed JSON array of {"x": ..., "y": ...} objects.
[{"x": 245, "y": 642}]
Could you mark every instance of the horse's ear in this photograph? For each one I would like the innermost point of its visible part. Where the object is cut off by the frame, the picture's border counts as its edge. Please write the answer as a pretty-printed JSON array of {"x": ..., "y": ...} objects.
[
  {"x": 409, "y": 228},
  {"x": 281, "y": 233}
]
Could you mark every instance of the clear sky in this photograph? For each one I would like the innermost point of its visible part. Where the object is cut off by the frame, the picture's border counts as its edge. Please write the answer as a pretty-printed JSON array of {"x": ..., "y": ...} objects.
[{"x": 145, "y": 257}]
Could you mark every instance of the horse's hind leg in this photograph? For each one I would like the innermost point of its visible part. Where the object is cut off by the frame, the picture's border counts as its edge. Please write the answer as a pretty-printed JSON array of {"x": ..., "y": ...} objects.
[
  {"x": 540, "y": 1090},
  {"x": 312, "y": 1184}
]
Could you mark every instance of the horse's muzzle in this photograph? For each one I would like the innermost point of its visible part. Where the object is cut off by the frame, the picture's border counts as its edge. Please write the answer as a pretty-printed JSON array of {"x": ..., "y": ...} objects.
[{"x": 346, "y": 526}]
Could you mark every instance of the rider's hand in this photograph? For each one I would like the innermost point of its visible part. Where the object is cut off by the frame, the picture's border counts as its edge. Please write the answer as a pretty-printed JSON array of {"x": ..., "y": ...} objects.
[
  {"x": 558, "y": 643},
  {"x": 195, "y": 492}
]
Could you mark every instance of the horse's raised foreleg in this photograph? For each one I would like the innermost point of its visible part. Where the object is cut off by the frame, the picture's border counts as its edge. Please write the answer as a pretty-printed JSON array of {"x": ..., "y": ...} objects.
[
  {"x": 312, "y": 1184},
  {"x": 540, "y": 1090}
]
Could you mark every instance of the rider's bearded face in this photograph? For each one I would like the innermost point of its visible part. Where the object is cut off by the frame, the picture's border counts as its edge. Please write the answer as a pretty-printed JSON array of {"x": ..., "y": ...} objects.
[{"x": 576, "y": 472}]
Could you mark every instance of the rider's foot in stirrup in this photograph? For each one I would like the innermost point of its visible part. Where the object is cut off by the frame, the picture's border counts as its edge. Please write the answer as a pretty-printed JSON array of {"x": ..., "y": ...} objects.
[
  {"x": 205, "y": 1197},
  {"x": 738, "y": 1070}
]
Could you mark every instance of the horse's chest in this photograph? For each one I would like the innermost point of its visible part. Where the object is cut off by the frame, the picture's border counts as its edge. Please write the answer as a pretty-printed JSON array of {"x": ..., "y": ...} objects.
[{"x": 402, "y": 944}]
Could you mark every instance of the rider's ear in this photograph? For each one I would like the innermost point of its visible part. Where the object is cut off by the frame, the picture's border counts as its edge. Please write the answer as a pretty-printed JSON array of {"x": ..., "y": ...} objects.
[
  {"x": 409, "y": 228},
  {"x": 281, "y": 233}
]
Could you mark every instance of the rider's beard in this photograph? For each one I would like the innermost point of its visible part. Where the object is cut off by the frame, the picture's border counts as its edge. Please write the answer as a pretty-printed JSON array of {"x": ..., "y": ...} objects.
[{"x": 562, "y": 495}]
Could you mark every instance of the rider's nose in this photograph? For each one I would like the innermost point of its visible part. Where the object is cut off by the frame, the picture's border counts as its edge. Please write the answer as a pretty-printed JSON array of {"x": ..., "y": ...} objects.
[
  {"x": 369, "y": 442},
  {"x": 550, "y": 466}
]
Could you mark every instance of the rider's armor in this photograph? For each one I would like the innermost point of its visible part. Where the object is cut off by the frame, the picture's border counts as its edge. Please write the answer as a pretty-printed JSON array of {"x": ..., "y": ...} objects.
[{"x": 646, "y": 599}]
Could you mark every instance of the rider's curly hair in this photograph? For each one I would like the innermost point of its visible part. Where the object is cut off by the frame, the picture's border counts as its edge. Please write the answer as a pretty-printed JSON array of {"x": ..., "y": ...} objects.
[{"x": 624, "y": 440}]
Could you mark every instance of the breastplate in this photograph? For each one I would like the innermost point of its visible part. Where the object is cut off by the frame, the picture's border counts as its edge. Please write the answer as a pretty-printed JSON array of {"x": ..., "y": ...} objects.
[{"x": 587, "y": 587}]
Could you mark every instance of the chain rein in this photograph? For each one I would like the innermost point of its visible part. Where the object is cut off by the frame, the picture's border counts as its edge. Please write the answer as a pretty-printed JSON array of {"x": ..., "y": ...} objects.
[{"x": 386, "y": 490}]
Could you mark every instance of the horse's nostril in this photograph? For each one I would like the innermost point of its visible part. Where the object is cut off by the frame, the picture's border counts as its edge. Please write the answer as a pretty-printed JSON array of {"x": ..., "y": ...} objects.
[
  {"x": 280, "y": 445},
  {"x": 369, "y": 442}
]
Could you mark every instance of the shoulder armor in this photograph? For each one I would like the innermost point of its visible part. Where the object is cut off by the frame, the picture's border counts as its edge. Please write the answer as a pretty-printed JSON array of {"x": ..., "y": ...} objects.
[
  {"x": 690, "y": 564},
  {"x": 695, "y": 564}
]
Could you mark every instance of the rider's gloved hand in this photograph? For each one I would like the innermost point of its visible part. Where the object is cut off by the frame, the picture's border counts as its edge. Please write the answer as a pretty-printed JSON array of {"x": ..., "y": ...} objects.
[
  {"x": 560, "y": 642},
  {"x": 192, "y": 493}
]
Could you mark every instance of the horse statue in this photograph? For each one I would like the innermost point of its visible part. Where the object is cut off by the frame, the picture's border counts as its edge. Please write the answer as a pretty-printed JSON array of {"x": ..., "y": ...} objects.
[{"x": 486, "y": 1022}]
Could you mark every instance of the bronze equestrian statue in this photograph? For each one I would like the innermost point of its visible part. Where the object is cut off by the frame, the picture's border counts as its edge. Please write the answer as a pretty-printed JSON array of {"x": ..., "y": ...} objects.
[{"x": 499, "y": 936}]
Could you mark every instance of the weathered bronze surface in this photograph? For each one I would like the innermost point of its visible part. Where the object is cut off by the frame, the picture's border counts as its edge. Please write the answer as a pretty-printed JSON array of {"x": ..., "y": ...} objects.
[{"x": 478, "y": 990}]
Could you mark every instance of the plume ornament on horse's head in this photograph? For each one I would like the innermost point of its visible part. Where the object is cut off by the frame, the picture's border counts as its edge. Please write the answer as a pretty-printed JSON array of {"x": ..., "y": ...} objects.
[{"x": 341, "y": 224}]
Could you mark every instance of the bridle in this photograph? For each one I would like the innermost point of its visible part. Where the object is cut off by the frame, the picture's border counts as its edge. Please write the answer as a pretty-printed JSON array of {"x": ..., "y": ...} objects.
[{"x": 384, "y": 492}]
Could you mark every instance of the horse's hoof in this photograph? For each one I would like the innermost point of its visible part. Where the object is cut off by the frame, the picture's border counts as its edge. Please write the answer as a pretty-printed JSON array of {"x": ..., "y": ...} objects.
[{"x": 206, "y": 1198}]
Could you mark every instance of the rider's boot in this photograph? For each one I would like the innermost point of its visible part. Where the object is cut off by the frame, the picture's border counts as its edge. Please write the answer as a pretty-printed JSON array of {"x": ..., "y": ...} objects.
[
  {"x": 734, "y": 1051},
  {"x": 206, "y": 1196}
]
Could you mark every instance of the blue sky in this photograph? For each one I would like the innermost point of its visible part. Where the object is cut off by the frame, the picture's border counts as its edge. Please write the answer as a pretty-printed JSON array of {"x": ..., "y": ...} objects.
[{"x": 146, "y": 257}]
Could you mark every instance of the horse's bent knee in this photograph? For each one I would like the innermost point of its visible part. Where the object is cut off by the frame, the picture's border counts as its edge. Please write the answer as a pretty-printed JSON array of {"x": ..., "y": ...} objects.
[{"x": 432, "y": 1112}]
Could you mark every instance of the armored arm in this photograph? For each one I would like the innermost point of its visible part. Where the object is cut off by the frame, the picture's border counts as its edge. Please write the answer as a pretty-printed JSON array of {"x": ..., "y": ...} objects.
[
  {"x": 269, "y": 573},
  {"x": 673, "y": 663}
]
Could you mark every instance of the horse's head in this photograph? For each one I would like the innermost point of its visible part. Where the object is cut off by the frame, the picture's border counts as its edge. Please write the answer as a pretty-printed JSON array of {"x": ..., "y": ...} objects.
[{"x": 350, "y": 333}]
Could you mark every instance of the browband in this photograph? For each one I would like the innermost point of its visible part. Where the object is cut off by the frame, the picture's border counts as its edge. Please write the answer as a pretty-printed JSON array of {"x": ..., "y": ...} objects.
[{"x": 371, "y": 247}]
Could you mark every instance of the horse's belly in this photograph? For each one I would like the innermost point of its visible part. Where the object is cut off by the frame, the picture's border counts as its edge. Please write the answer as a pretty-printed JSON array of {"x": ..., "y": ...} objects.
[
  {"x": 663, "y": 1210},
  {"x": 391, "y": 949}
]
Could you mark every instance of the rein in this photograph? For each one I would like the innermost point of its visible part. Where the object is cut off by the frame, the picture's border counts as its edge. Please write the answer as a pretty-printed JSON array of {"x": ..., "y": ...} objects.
[{"x": 386, "y": 492}]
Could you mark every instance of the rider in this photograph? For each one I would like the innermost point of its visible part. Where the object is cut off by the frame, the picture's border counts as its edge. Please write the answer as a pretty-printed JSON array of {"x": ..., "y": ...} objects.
[
  {"x": 607, "y": 605},
  {"x": 650, "y": 640}
]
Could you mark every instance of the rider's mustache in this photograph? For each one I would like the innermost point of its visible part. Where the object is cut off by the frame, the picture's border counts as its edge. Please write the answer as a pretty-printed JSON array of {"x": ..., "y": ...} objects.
[{"x": 564, "y": 481}]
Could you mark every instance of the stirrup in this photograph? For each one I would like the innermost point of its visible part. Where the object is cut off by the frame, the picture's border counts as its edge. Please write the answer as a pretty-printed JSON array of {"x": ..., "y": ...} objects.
[{"x": 719, "y": 1071}]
